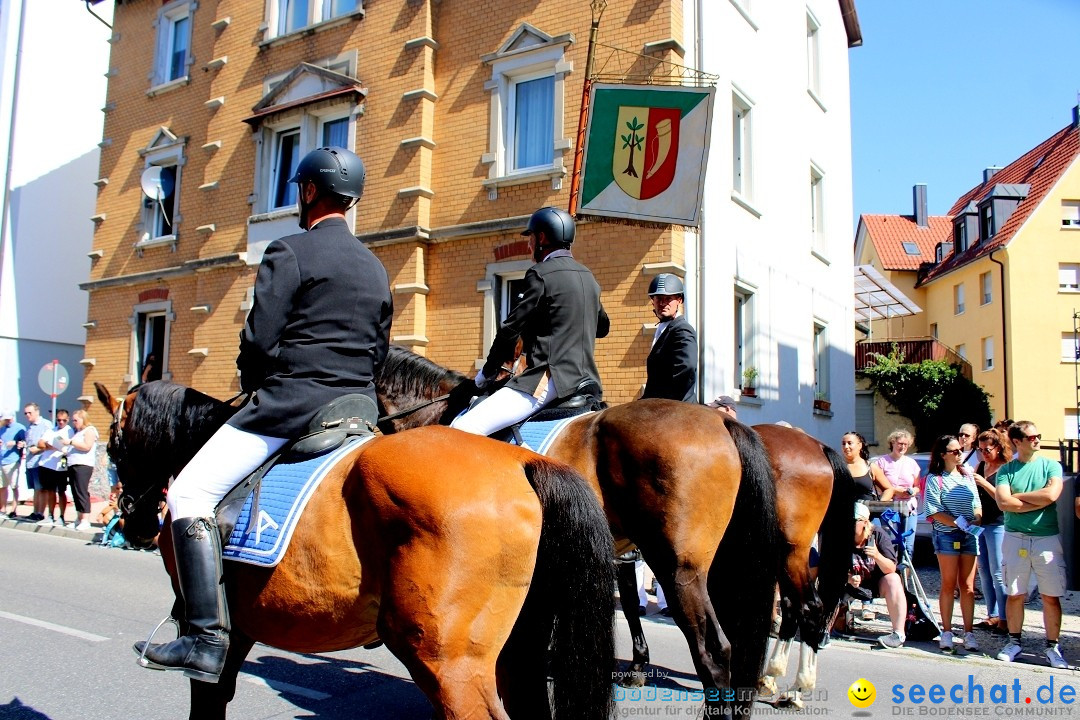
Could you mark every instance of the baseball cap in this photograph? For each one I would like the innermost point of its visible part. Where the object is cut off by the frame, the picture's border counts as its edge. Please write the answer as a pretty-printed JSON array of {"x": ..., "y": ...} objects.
[
  {"x": 722, "y": 401},
  {"x": 861, "y": 511},
  {"x": 7, "y": 415}
]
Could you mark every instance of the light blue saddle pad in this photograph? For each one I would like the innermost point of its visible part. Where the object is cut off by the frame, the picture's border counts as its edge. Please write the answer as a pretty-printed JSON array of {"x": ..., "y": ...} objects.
[
  {"x": 538, "y": 436},
  {"x": 285, "y": 491}
]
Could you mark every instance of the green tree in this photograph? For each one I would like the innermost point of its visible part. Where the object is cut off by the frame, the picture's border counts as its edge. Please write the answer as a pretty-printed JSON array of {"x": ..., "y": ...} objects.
[
  {"x": 632, "y": 141},
  {"x": 933, "y": 394}
]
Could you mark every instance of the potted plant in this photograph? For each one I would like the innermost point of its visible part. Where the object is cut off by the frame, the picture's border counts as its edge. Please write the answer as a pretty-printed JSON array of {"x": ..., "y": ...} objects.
[
  {"x": 749, "y": 387},
  {"x": 821, "y": 402}
]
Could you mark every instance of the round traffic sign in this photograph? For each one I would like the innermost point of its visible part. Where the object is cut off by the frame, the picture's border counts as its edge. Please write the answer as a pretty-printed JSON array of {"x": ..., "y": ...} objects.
[{"x": 51, "y": 373}]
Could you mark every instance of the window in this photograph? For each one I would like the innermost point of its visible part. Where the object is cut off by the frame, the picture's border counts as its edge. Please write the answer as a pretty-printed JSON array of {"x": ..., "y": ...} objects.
[
  {"x": 821, "y": 361},
  {"x": 933, "y": 331},
  {"x": 286, "y": 158},
  {"x": 1072, "y": 424},
  {"x": 986, "y": 221},
  {"x": 986, "y": 288},
  {"x": 988, "y": 353},
  {"x": 502, "y": 286},
  {"x": 527, "y": 86},
  {"x": 961, "y": 350},
  {"x": 743, "y": 340},
  {"x": 1069, "y": 277},
  {"x": 151, "y": 321},
  {"x": 288, "y": 16},
  {"x": 296, "y": 135},
  {"x": 1070, "y": 214},
  {"x": 864, "y": 415},
  {"x": 817, "y": 210},
  {"x": 813, "y": 56},
  {"x": 173, "y": 43},
  {"x": 162, "y": 211},
  {"x": 335, "y": 133},
  {"x": 911, "y": 248},
  {"x": 160, "y": 215},
  {"x": 511, "y": 286},
  {"x": 960, "y": 238},
  {"x": 742, "y": 146},
  {"x": 1070, "y": 349},
  {"x": 958, "y": 299}
]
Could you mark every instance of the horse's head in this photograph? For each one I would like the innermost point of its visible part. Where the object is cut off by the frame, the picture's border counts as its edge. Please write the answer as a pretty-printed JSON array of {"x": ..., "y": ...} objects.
[
  {"x": 140, "y": 492},
  {"x": 413, "y": 391}
]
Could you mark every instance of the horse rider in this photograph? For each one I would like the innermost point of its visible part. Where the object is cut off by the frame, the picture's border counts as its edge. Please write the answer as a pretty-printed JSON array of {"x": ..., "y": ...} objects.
[
  {"x": 558, "y": 317},
  {"x": 672, "y": 362},
  {"x": 318, "y": 328}
]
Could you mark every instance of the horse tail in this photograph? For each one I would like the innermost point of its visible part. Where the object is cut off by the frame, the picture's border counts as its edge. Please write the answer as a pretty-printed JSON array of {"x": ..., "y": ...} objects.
[
  {"x": 742, "y": 580},
  {"x": 571, "y": 603},
  {"x": 837, "y": 539}
]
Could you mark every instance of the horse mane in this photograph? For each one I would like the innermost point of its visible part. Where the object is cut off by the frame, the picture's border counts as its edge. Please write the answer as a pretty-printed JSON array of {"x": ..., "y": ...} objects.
[{"x": 404, "y": 374}]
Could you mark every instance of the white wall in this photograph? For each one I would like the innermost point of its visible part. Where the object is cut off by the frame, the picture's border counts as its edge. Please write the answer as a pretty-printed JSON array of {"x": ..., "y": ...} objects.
[{"x": 768, "y": 246}]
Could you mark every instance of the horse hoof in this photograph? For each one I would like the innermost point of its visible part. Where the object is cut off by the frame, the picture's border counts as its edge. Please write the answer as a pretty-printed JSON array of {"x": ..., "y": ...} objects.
[
  {"x": 767, "y": 686},
  {"x": 790, "y": 699},
  {"x": 633, "y": 680}
]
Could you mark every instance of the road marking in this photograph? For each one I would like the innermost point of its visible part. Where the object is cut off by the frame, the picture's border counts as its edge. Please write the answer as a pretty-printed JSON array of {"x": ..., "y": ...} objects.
[
  {"x": 50, "y": 626},
  {"x": 279, "y": 686}
]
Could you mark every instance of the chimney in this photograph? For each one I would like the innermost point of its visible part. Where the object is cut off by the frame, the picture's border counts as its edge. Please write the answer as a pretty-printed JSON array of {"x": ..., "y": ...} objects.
[
  {"x": 918, "y": 193},
  {"x": 989, "y": 173}
]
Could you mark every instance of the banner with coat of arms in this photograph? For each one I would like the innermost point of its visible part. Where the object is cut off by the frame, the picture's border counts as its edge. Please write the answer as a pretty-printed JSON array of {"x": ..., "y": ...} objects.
[{"x": 646, "y": 149}]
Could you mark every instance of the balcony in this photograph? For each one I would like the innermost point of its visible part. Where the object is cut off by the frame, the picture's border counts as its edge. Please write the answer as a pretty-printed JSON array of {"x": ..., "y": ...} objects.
[{"x": 915, "y": 350}]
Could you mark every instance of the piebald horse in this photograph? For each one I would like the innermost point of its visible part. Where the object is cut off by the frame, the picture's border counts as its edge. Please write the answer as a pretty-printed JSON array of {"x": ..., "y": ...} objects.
[
  {"x": 447, "y": 547},
  {"x": 696, "y": 495}
]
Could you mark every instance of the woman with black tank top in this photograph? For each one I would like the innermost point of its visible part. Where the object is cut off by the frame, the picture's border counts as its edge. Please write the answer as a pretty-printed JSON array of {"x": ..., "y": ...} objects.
[
  {"x": 870, "y": 481},
  {"x": 996, "y": 450}
]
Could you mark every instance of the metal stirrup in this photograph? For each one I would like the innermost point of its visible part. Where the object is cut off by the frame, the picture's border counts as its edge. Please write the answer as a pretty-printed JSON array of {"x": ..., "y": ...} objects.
[{"x": 142, "y": 656}]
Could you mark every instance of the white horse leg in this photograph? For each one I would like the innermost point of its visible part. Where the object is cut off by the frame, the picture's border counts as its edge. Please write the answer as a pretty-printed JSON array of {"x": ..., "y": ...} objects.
[
  {"x": 775, "y": 667},
  {"x": 805, "y": 678}
]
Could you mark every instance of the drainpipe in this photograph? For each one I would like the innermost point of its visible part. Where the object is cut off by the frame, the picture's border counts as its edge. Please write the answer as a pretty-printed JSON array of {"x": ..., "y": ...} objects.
[
  {"x": 1004, "y": 353},
  {"x": 5, "y": 240},
  {"x": 699, "y": 62}
]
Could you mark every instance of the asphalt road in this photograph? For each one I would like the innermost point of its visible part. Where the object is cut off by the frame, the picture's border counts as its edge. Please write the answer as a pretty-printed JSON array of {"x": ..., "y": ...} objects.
[{"x": 69, "y": 612}]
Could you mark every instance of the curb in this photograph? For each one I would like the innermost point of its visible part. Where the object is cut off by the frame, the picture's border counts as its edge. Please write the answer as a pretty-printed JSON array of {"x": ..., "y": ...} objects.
[{"x": 93, "y": 535}]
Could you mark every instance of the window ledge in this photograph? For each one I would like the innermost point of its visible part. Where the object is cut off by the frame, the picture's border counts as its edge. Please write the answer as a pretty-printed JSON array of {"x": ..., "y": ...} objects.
[
  {"x": 166, "y": 87},
  {"x": 527, "y": 176},
  {"x": 278, "y": 214},
  {"x": 158, "y": 241},
  {"x": 823, "y": 413},
  {"x": 820, "y": 257},
  {"x": 357, "y": 14},
  {"x": 737, "y": 197},
  {"x": 754, "y": 401},
  {"x": 814, "y": 96},
  {"x": 1072, "y": 291},
  {"x": 1070, "y": 227},
  {"x": 746, "y": 15}
]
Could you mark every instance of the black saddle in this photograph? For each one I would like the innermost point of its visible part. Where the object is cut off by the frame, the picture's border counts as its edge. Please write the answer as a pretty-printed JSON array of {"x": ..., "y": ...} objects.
[{"x": 342, "y": 418}]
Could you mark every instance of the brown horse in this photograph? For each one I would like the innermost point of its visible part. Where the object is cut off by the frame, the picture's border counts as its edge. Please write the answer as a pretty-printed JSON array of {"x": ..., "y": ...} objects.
[
  {"x": 814, "y": 496},
  {"x": 695, "y": 495},
  {"x": 445, "y": 546}
]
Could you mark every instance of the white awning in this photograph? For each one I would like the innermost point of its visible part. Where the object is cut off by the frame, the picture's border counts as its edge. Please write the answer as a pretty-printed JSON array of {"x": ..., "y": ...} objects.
[{"x": 878, "y": 299}]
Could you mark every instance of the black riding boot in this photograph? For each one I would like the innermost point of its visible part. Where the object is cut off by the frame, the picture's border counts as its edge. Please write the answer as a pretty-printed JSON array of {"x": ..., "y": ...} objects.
[{"x": 200, "y": 653}]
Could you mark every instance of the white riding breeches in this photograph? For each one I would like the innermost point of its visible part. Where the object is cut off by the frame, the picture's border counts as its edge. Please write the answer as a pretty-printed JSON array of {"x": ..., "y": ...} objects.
[
  {"x": 506, "y": 407},
  {"x": 228, "y": 457}
]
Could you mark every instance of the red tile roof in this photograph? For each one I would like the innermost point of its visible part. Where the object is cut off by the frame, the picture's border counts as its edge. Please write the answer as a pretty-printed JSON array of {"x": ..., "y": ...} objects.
[
  {"x": 888, "y": 233},
  {"x": 1040, "y": 167}
]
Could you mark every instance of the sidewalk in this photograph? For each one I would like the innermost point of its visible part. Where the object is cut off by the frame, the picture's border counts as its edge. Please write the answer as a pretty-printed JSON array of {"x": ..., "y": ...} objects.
[{"x": 93, "y": 535}]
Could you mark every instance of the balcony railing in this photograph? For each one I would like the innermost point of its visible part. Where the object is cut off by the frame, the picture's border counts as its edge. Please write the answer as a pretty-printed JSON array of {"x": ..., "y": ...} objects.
[{"x": 915, "y": 350}]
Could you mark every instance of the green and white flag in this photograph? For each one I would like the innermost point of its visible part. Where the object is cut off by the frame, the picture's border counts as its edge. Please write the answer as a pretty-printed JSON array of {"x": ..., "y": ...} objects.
[{"x": 646, "y": 148}]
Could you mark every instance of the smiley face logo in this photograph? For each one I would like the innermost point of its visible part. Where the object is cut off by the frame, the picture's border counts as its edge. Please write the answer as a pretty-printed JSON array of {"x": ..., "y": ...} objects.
[{"x": 862, "y": 693}]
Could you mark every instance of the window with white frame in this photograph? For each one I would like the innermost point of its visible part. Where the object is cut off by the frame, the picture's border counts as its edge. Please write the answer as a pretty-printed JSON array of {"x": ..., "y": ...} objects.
[
  {"x": 1071, "y": 429},
  {"x": 1068, "y": 277},
  {"x": 161, "y": 214},
  {"x": 743, "y": 338},
  {"x": 958, "y": 299},
  {"x": 289, "y": 138},
  {"x": 1070, "y": 349},
  {"x": 173, "y": 52},
  {"x": 988, "y": 353},
  {"x": 289, "y": 16},
  {"x": 742, "y": 180},
  {"x": 1070, "y": 214},
  {"x": 502, "y": 286},
  {"x": 526, "y": 131},
  {"x": 813, "y": 55},
  {"x": 986, "y": 288},
  {"x": 150, "y": 328},
  {"x": 817, "y": 210},
  {"x": 986, "y": 221},
  {"x": 821, "y": 361},
  {"x": 961, "y": 350}
]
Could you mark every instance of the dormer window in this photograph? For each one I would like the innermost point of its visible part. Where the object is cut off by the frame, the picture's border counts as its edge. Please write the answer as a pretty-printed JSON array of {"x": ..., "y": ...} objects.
[
  {"x": 986, "y": 221},
  {"x": 960, "y": 238}
]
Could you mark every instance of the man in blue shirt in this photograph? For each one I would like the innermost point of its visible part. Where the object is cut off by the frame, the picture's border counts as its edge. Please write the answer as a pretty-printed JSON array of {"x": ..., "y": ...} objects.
[{"x": 11, "y": 433}]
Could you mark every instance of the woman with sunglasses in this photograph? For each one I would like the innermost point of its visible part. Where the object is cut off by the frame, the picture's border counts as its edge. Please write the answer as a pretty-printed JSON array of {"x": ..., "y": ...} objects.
[
  {"x": 996, "y": 450},
  {"x": 952, "y": 503}
]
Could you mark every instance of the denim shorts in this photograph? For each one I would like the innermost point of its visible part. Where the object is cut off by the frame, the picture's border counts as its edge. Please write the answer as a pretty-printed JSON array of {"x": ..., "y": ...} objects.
[{"x": 954, "y": 542}]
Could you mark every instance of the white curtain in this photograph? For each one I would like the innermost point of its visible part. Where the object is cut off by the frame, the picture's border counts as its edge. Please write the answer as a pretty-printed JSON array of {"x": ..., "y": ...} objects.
[{"x": 534, "y": 122}]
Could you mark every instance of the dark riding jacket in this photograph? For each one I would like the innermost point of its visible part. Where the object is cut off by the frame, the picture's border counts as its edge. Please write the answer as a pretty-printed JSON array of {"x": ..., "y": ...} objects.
[
  {"x": 672, "y": 363},
  {"x": 558, "y": 317},
  {"x": 318, "y": 329}
]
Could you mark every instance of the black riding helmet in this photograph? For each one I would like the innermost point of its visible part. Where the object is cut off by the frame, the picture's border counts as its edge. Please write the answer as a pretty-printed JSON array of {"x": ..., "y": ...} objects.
[
  {"x": 666, "y": 284},
  {"x": 556, "y": 224},
  {"x": 332, "y": 170}
]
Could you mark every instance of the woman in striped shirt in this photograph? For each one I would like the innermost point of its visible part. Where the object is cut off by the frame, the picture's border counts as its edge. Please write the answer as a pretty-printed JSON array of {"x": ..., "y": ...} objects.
[{"x": 952, "y": 503}]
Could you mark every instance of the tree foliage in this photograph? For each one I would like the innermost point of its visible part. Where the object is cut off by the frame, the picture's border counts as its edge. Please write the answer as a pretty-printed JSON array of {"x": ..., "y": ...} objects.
[{"x": 933, "y": 394}]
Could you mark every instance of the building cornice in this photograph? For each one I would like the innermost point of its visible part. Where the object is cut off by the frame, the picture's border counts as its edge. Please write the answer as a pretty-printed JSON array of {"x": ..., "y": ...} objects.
[{"x": 187, "y": 268}]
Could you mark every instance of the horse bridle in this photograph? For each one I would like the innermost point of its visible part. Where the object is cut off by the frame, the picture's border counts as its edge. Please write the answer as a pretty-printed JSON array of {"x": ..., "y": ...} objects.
[{"x": 414, "y": 408}]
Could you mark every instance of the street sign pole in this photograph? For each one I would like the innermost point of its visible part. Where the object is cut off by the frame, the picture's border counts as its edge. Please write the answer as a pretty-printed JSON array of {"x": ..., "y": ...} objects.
[{"x": 55, "y": 372}]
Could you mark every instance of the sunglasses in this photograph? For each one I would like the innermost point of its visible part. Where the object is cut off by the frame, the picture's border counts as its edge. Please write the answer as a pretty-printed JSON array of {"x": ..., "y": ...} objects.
[
  {"x": 1033, "y": 438},
  {"x": 963, "y": 434},
  {"x": 957, "y": 452}
]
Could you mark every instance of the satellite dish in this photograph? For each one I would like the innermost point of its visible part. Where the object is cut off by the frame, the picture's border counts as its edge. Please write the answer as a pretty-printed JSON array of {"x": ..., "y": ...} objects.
[{"x": 156, "y": 183}]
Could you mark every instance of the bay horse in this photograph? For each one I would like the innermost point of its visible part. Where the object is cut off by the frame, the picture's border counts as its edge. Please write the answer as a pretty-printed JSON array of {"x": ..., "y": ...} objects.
[
  {"x": 447, "y": 547},
  {"x": 696, "y": 496}
]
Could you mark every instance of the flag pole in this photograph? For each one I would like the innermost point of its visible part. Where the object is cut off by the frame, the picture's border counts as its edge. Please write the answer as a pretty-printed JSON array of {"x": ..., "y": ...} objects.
[{"x": 597, "y": 8}]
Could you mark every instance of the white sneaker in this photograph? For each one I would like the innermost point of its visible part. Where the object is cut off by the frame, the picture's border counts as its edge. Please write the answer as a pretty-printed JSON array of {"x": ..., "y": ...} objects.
[
  {"x": 1053, "y": 656},
  {"x": 945, "y": 641},
  {"x": 970, "y": 642},
  {"x": 84, "y": 526},
  {"x": 1010, "y": 651},
  {"x": 46, "y": 522}
]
